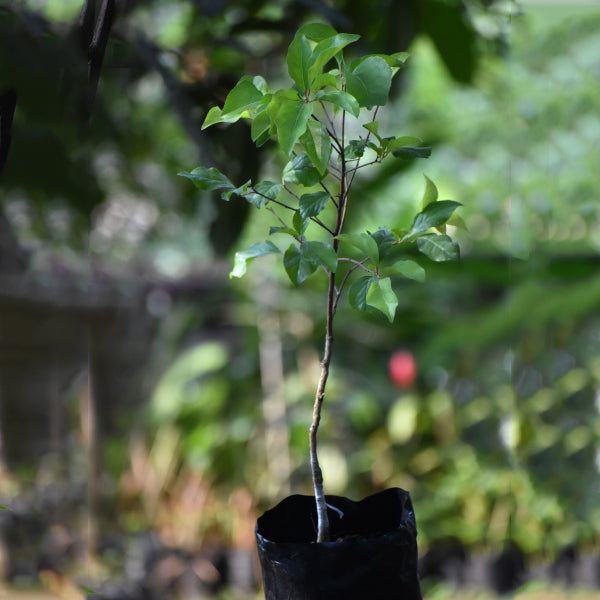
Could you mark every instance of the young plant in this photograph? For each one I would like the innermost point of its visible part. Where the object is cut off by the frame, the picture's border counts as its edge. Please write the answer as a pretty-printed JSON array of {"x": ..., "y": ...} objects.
[{"x": 310, "y": 203}]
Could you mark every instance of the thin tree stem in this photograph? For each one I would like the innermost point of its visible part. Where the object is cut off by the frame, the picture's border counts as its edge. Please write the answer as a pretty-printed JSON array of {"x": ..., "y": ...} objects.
[{"x": 323, "y": 533}]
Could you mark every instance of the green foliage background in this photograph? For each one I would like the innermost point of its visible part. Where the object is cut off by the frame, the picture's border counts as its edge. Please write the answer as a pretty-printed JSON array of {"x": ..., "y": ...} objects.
[{"x": 499, "y": 438}]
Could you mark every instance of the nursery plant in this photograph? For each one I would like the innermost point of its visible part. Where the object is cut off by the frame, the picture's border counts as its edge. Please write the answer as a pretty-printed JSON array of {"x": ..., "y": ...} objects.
[{"x": 327, "y": 130}]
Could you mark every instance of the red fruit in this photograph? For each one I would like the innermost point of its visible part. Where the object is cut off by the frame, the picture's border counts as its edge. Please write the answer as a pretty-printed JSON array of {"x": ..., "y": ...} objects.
[{"x": 403, "y": 369}]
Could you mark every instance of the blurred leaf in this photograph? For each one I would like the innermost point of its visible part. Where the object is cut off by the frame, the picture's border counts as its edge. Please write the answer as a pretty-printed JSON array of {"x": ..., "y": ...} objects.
[
  {"x": 433, "y": 215},
  {"x": 438, "y": 247},
  {"x": 170, "y": 393},
  {"x": 402, "y": 419},
  {"x": 208, "y": 179},
  {"x": 431, "y": 193},
  {"x": 382, "y": 297},
  {"x": 254, "y": 251},
  {"x": 312, "y": 204},
  {"x": 408, "y": 152},
  {"x": 408, "y": 268}
]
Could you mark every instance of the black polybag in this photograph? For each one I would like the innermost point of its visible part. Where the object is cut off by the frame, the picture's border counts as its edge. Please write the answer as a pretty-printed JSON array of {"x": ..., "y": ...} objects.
[{"x": 373, "y": 553}]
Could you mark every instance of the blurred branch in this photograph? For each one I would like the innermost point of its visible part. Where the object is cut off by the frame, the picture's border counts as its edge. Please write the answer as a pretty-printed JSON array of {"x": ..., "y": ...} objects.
[{"x": 150, "y": 53}]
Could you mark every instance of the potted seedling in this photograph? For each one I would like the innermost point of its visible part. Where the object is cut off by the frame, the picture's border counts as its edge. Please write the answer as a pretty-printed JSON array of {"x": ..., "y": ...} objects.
[{"x": 329, "y": 546}]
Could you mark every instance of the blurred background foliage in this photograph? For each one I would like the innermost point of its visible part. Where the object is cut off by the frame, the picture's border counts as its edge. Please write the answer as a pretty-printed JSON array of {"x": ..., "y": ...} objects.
[{"x": 141, "y": 390}]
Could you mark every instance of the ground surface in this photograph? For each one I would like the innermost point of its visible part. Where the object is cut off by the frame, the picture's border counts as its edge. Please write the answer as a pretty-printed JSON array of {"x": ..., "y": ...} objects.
[{"x": 438, "y": 594}]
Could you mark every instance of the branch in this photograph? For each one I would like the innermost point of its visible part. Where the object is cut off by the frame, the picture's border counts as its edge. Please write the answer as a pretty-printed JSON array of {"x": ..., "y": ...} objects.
[
  {"x": 358, "y": 265},
  {"x": 272, "y": 210}
]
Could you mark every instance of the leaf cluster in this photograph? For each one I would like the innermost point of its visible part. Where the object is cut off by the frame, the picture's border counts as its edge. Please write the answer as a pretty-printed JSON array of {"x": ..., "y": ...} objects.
[{"x": 308, "y": 121}]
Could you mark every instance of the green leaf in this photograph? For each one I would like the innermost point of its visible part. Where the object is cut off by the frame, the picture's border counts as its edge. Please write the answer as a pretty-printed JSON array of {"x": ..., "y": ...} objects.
[
  {"x": 301, "y": 170},
  {"x": 320, "y": 254},
  {"x": 242, "y": 97},
  {"x": 315, "y": 141},
  {"x": 274, "y": 229},
  {"x": 363, "y": 242},
  {"x": 457, "y": 221},
  {"x": 326, "y": 49},
  {"x": 357, "y": 294},
  {"x": 242, "y": 259},
  {"x": 382, "y": 297},
  {"x": 291, "y": 121},
  {"x": 299, "y": 60},
  {"x": 408, "y": 152},
  {"x": 247, "y": 93},
  {"x": 297, "y": 266},
  {"x": 385, "y": 241},
  {"x": 316, "y": 31},
  {"x": 370, "y": 82},
  {"x": 262, "y": 193},
  {"x": 300, "y": 223},
  {"x": 433, "y": 215},
  {"x": 4, "y": 507},
  {"x": 312, "y": 204},
  {"x": 355, "y": 149},
  {"x": 438, "y": 247},
  {"x": 396, "y": 61},
  {"x": 214, "y": 115},
  {"x": 431, "y": 193},
  {"x": 393, "y": 143},
  {"x": 277, "y": 100},
  {"x": 239, "y": 191},
  {"x": 410, "y": 269},
  {"x": 343, "y": 100},
  {"x": 325, "y": 80},
  {"x": 261, "y": 126},
  {"x": 208, "y": 179},
  {"x": 373, "y": 127}
]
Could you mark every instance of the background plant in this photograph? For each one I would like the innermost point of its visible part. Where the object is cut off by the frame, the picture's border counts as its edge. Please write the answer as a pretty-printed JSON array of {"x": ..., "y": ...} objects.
[{"x": 153, "y": 248}]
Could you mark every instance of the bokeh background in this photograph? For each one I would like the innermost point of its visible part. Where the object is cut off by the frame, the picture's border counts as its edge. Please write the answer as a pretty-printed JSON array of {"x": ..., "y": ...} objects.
[{"x": 151, "y": 408}]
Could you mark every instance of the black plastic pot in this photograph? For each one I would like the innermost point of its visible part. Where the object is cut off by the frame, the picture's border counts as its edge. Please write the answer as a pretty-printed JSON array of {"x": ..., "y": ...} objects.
[{"x": 373, "y": 553}]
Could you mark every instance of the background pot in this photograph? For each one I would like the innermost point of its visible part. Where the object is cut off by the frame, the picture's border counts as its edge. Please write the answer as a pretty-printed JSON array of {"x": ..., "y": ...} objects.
[{"x": 373, "y": 553}]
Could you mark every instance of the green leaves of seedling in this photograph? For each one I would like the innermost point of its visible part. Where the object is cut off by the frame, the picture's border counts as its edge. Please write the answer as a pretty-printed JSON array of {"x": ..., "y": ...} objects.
[
  {"x": 363, "y": 242},
  {"x": 315, "y": 141},
  {"x": 382, "y": 297},
  {"x": 375, "y": 292},
  {"x": 405, "y": 147},
  {"x": 433, "y": 215},
  {"x": 369, "y": 81},
  {"x": 302, "y": 261},
  {"x": 305, "y": 63},
  {"x": 313, "y": 204},
  {"x": 409, "y": 269},
  {"x": 438, "y": 247},
  {"x": 302, "y": 119},
  {"x": 254, "y": 251},
  {"x": 262, "y": 192},
  {"x": 208, "y": 179},
  {"x": 247, "y": 94},
  {"x": 300, "y": 170}
]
